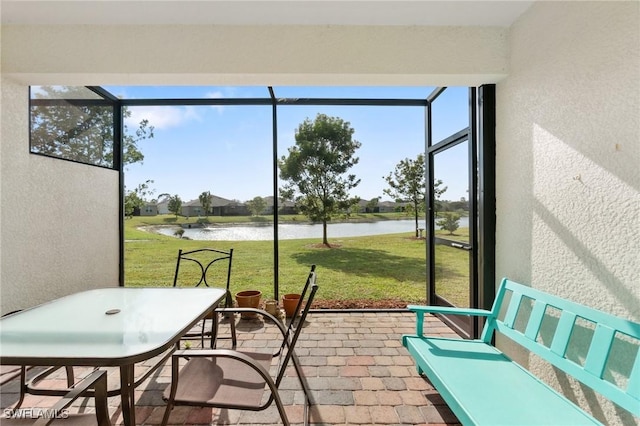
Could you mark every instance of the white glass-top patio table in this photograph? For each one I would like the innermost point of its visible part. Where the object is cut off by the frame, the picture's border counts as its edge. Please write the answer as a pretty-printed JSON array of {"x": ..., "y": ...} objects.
[{"x": 105, "y": 327}]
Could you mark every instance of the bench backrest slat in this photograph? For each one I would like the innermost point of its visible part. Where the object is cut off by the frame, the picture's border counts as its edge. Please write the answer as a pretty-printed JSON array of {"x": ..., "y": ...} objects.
[
  {"x": 512, "y": 310},
  {"x": 535, "y": 320},
  {"x": 491, "y": 323},
  {"x": 634, "y": 380},
  {"x": 599, "y": 349},
  {"x": 563, "y": 333}
]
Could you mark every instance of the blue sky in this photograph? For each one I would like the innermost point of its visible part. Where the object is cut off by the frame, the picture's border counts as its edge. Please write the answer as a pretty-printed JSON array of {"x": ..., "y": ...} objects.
[{"x": 228, "y": 149}]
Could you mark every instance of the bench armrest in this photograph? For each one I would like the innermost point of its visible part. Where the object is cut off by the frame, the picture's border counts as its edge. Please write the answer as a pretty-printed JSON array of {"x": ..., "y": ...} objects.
[
  {"x": 421, "y": 310},
  {"x": 449, "y": 310}
]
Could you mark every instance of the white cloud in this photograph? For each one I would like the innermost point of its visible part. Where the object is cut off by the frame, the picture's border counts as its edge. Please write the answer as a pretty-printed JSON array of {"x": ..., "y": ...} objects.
[
  {"x": 216, "y": 95},
  {"x": 163, "y": 117}
]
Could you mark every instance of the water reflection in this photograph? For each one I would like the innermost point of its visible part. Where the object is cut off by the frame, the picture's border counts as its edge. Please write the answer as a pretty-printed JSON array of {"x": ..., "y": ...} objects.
[{"x": 298, "y": 231}]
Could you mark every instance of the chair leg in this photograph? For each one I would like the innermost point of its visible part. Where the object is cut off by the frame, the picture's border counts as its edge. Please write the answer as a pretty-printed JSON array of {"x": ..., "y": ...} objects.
[
  {"x": 101, "y": 404},
  {"x": 232, "y": 325},
  {"x": 175, "y": 367},
  {"x": 302, "y": 378},
  {"x": 70, "y": 378},
  {"x": 167, "y": 413},
  {"x": 283, "y": 414},
  {"x": 23, "y": 386},
  {"x": 232, "y": 319},
  {"x": 204, "y": 323},
  {"x": 215, "y": 324},
  {"x": 306, "y": 419},
  {"x": 215, "y": 328}
]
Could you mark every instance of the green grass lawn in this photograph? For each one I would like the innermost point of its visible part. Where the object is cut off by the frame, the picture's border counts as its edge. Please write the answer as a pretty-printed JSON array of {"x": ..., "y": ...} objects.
[{"x": 374, "y": 267}]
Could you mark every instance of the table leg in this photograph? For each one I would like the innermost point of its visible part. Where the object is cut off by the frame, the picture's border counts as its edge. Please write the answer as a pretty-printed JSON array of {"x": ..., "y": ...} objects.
[{"x": 127, "y": 395}]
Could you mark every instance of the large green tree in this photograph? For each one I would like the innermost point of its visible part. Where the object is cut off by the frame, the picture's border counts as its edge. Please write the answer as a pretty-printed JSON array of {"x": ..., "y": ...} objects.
[
  {"x": 205, "y": 201},
  {"x": 257, "y": 205},
  {"x": 407, "y": 184},
  {"x": 175, "y": 205},
  {"x": 315, "y": 170},
  {"x": 72, "y": 122}
]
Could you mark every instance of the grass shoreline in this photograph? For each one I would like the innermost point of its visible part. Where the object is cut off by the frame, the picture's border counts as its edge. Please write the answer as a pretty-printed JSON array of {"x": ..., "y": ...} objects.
[
  {"x": 390, "y": 266},
  {"x": 183, "y": 220}
]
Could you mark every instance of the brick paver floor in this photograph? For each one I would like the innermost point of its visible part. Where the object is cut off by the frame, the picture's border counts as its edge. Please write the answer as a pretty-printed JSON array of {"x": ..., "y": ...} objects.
[{"x": 354, "y": 363}]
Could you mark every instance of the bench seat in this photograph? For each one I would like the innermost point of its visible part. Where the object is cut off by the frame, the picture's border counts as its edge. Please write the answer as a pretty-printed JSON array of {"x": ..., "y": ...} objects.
[
  {"x": 483, "y": 386},
  {"x": 489, "y": 387}
]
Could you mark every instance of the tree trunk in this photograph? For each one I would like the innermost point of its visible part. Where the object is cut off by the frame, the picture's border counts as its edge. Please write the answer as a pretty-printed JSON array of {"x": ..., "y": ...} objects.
[
  {"x": 415, "y": 212},
  {"x": 324, "y": 233}
]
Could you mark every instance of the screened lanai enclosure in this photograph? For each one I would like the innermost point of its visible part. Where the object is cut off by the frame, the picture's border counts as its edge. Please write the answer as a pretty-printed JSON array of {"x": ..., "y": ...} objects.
[{"x": 403, "y": 177}]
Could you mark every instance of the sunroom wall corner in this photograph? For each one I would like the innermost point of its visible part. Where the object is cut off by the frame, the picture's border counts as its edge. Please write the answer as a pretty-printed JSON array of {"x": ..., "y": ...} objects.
[
  {"x": 58, "y": 219},
  {"x": 568, "y": 163}
]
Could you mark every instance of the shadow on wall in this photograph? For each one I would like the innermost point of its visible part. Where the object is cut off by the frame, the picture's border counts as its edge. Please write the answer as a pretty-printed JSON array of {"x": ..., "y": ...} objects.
[
  {"x": 618, "y": 368},
  {"x": 614, "y": 285}
]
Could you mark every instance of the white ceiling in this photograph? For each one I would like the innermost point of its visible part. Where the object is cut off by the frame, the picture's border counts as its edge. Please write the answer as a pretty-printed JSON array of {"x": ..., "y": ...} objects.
[{"x": 264, "y": 12}]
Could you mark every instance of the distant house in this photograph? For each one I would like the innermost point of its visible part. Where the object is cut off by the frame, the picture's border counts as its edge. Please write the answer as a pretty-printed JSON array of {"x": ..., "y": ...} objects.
[
  {"x": 219, "y": 207},
  {"x": 150, "y": 209},
  {"x": 235, "y": 208},
  {"x": 192, "y": 208},
  {"x": 224, "y": 207},
  {"x": 288, "y": 207},
  {"x": 361, "y": 207},
  {"x": 387, "y": 206},
  {"x": 285, "y": 207},
  {"x": 380, "y": 207},
  {"x": 163, "y": 207}
]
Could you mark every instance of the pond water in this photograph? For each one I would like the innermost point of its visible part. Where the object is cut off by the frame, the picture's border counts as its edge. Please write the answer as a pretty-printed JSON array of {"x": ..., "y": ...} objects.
[{"x": 291, "y": 231}]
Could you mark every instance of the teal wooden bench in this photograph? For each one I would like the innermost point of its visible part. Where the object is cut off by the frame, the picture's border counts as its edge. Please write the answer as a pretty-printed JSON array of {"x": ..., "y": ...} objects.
[{"x": 484, "y": 386}]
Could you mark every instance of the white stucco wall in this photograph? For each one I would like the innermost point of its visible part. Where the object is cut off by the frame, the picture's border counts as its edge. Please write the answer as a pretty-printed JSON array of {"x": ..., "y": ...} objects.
[
  {"x": 568, "y": 159},
  {"x": 59, "y": 220},
  {"x": 261, "y": 55}
]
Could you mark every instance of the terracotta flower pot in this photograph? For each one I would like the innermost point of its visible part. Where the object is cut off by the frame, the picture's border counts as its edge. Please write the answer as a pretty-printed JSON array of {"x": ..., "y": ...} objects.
[
  {"x": 289, "y": 303},
  {"x": 248, "y": 299}
]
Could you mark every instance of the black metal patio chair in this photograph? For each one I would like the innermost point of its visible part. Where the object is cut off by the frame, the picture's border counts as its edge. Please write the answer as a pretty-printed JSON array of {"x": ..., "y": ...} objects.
[
  {"x": 211, "y": 268},
  {"x": 234, "y": 379}
]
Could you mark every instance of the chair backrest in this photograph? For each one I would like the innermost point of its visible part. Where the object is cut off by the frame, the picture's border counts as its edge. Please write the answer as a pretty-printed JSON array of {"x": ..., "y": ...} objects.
[
  {"x": 201, "y": 270},
  {"x": 295, "y": 327}
]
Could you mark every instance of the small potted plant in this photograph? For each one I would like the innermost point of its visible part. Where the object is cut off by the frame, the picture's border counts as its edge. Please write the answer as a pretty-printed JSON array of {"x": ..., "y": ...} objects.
[
  {"x": 248, "y": 299},
  {"x": 289, "y": 303}
]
